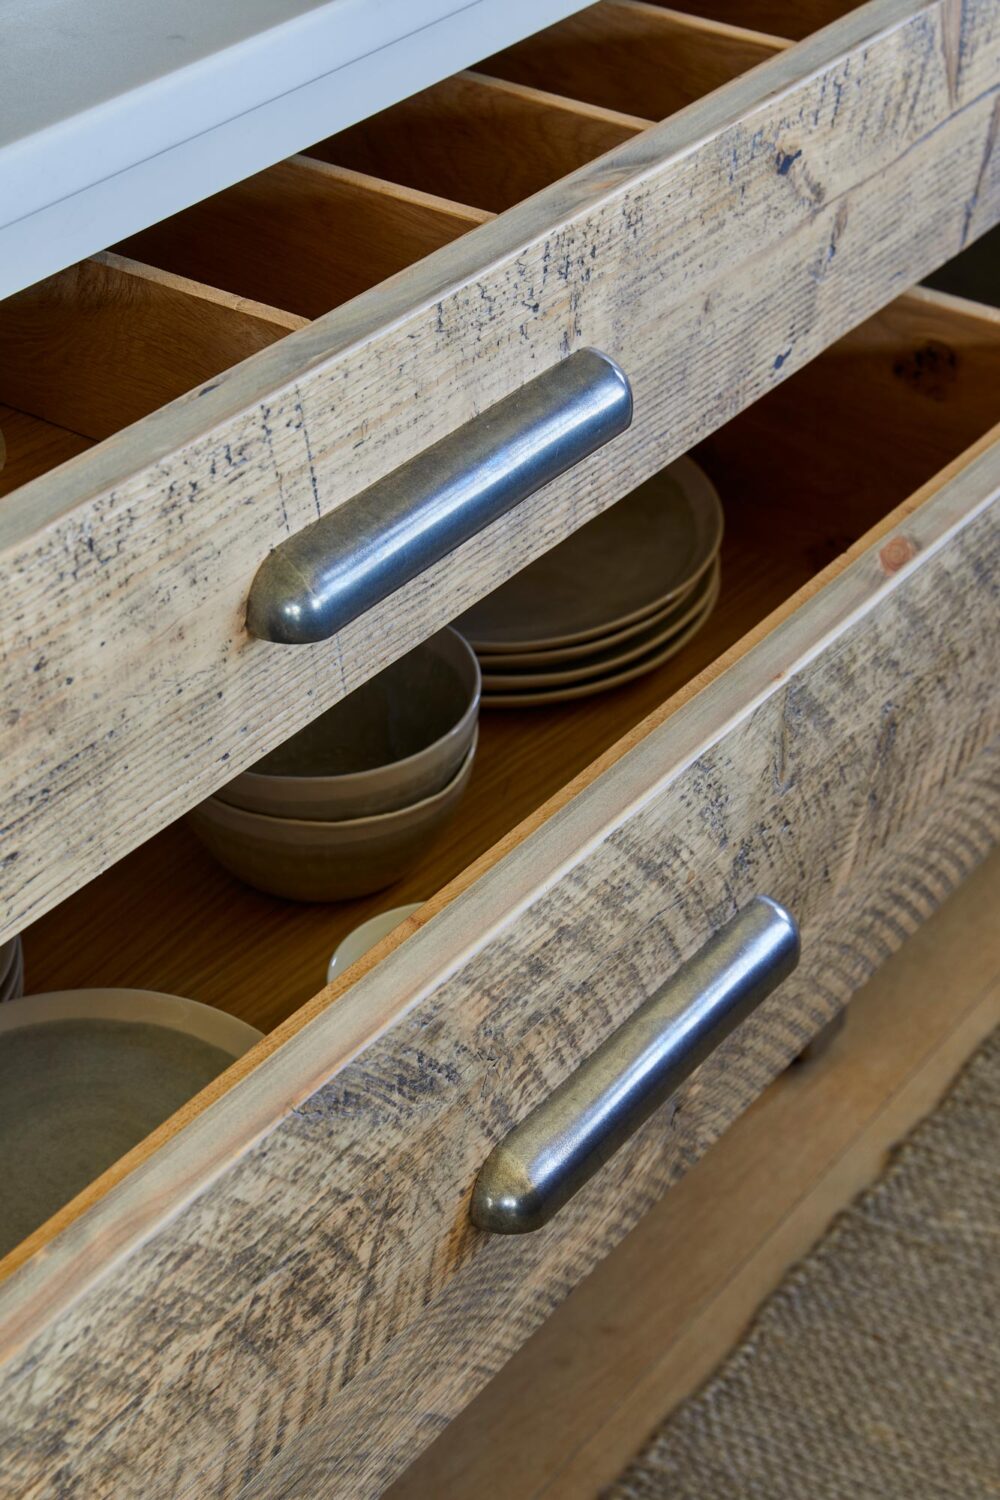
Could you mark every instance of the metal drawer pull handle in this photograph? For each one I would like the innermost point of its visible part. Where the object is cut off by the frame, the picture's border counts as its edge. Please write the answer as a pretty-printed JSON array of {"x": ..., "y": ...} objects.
[
  {"x": 563, "y": 1142},
  {"x": 332, "y": 571}
]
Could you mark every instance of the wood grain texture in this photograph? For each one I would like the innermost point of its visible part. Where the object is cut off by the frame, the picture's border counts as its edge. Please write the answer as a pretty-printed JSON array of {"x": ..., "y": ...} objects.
[
  {"x": 790, "y": 18},
  {"x": 713, "y": 255},
  {"x": 33, "y": 447},
  {"x": 480, "y": 140},
  {"x": 107, "y": 341},
  {"x": 628, "y": 55},
  {"x": 303, "y": 235},
  {"x": 321, "y": 1306},
  {"x": 655, "y": 1318},
  {"x": 786, "y": 518}
]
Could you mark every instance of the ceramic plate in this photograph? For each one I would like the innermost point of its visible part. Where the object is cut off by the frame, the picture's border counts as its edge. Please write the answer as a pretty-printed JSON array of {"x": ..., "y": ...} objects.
[
  {"x": 629, "y": 562},
  {"x": 565, "y": 656},
  {"x": 546, "y": 696},
  {"x": 84, "y": 1076},
  {"x": 605, "y": 663},
  {"x": 362, "y": 938}
]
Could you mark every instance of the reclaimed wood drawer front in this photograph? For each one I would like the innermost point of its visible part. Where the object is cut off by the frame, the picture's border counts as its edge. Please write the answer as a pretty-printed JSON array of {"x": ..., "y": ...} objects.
[
  {"x": 712, "y": 255},
  {"x": 285, "y": 1297}
]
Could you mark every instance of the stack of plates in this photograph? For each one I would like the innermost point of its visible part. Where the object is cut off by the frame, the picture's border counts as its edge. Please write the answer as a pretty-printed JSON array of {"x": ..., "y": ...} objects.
[
  {"x": 616, "y": 599},
  {"x": 11, "y": 970}
]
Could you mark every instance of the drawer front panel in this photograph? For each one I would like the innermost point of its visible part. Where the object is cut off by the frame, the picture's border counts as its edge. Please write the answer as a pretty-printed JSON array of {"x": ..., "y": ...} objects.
[
  {"x": 711, "y": 256},
  {"x": 300, "y": 1255},
  {"x": 465, "y": 1335}
]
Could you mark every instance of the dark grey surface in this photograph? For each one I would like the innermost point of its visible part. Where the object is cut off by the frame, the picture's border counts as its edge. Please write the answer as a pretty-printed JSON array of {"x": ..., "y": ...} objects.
[{"x": 75, "y": 1096}]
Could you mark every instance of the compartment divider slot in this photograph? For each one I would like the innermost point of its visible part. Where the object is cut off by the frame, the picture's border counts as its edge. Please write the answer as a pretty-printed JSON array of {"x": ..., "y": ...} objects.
[
  {"x": 792, "y": 19},
  {"x": 634, "y": 56},
  {"x": 33, "y": 448},
  {"x": 304, "y": 235},
  {"x": 481, "y": 140},
  {"x": 103, "y": 343}
]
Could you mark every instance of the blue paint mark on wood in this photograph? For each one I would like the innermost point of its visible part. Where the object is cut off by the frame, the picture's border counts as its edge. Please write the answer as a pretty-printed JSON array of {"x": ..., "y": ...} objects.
[{"x": 785, "y": 161}]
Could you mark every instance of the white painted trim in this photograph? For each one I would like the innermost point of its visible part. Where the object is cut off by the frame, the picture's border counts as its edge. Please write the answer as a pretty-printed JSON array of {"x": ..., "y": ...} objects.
[{"x": 135, "y": 140}]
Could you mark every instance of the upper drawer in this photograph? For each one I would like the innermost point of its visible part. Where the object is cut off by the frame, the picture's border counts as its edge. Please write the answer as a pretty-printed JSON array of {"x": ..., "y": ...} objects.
[
  {"x": 281, "y": 1292},
  {"x": 710, "y": 255}
]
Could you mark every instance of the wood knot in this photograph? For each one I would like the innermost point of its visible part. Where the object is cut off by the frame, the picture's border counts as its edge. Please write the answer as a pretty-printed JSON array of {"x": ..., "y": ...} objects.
[
  {"x": 930, "y": 370},
  {"x": 897, "y": 552}
]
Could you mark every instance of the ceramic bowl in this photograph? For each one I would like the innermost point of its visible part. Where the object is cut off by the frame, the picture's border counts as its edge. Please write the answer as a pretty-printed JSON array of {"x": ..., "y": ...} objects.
[
  {"x": 87, "y": 1074},
  {"x": 12, "y": 971},
  {"x": 364, "y": 937},
  {"x": 9, "y": 953},
  {"x": 305, "y": 859},
  {"x": 396, "y": 740}
]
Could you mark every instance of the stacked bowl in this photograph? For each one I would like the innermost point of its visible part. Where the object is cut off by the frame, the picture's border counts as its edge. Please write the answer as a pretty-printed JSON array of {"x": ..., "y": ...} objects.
[
  {"x": 11, "y": 970},
  {"x": 350, "y": 803},
  {"x": 616, "y": 599}
]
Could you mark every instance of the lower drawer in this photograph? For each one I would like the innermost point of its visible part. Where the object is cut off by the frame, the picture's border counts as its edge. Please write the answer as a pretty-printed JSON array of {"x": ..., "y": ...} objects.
[
  {"x": 281, "y": 1293},
  {"x": 651, "y": 1324}
]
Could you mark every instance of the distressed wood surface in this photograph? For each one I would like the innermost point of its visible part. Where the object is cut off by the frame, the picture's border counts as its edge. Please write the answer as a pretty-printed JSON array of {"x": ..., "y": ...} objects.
[
  {"x": 294, "y": 1271},
  {"x": 384, "y": 1416},
  {"x": 650, "y": 1324},
  {"x": 303, "y": 235},
  {"x": 628, "y": 55},
  {"x": 480, "y": 140},
  {"x": 712, "y": 255}
]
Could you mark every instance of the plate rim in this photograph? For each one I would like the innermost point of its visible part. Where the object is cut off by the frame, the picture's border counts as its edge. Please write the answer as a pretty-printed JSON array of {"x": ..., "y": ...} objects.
[
  {"x": 551, "y": 696},
  {"x": 554, "y": 677},
  {"x": 550, "y": 643}
]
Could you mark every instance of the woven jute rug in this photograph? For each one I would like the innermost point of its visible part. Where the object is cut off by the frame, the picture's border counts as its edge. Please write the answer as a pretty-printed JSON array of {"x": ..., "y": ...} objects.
[{"x": 874, "y": 1369}]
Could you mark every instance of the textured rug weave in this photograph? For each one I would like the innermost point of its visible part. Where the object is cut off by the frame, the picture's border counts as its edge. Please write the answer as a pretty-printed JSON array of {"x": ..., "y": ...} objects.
[{"x": 874, "y": 1369}]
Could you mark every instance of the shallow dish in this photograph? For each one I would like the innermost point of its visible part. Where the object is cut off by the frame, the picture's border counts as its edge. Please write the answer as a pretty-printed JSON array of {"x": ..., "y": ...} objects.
[
  {"x": 306, "y": 859},
  {"x": 565, "y": 656},
  {"x": 605, "y": 663},
  {"x": 632, "y": 560},
  {"x": 364, "y": 937},
  {"x": 395, "y": 740},
  {"x": 87, "y": 1074},
  {"x": 545, "y": 696}
]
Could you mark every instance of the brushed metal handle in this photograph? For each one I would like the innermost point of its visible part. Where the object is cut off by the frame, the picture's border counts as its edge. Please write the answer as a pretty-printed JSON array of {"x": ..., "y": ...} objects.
[
  {"x": 548, "y": 1157},
  {"x": 328, "y": 574}
]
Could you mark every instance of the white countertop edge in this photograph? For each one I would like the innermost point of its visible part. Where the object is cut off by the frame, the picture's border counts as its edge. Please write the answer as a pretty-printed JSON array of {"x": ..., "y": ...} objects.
[
  {"x": 136, "y": 185},
  {"x": 121, "y": 129}
]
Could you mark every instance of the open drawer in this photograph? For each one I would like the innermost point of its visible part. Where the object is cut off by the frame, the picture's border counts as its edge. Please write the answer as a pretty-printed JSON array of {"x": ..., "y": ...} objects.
[
  {"x": 787, "y": 193},
  {"x": 281, "y": 1292}
]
